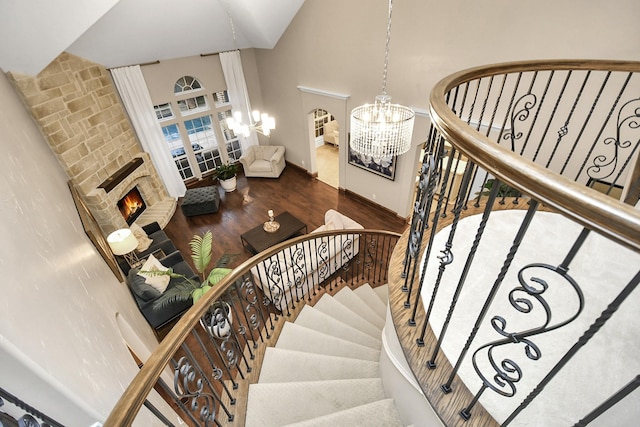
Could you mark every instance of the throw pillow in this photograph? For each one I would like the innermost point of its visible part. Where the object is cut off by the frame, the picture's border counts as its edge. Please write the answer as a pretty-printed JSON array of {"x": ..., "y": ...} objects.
[
  {"x": 158, "y": 281},
  {"x": 143, "y": 239},
  {"x": 329, "y": 226},
  {"x": 143, "y": 290}
]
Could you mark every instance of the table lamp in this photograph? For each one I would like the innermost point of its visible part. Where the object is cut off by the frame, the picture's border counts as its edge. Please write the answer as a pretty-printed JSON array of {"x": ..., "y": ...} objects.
[{"x": 122, "y": 242}]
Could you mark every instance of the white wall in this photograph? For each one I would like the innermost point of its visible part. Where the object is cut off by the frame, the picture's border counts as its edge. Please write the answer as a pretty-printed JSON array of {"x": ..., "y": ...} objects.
[
  {"x": 338, "y": 46},
  {"x": 60, "y": 349}
]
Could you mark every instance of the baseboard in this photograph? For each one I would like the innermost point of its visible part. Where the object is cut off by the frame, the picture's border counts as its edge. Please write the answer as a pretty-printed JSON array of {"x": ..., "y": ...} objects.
[
  {"x": 371, "y": 203},
  {"x": 300, "y": 168}
]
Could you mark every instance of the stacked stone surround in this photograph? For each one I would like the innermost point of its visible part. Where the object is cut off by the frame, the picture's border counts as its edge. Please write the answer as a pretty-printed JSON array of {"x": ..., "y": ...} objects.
[{"x": 80, "y": 114}]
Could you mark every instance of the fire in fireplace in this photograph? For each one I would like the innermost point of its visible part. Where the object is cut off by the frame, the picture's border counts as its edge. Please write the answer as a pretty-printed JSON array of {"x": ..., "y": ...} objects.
[{"x": 132, "y": 205}]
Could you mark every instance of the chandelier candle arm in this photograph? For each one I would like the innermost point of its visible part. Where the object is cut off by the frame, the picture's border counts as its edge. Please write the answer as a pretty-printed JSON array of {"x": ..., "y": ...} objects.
[{"x": 382, "y": 129}]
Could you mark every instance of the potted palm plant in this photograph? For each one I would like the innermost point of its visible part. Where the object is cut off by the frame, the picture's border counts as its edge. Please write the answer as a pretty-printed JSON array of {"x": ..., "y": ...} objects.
[
  {"x": 226, "y": 173},
  {"x": 218, "y": 318}
]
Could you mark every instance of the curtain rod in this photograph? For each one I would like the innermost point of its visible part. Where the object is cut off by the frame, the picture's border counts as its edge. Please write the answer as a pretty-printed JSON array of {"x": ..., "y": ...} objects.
[{"x": 157, "y": 61}]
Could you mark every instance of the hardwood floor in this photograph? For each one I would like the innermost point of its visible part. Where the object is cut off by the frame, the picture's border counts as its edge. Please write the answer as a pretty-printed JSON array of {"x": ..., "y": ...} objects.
[{"x": 295, "y": 191}]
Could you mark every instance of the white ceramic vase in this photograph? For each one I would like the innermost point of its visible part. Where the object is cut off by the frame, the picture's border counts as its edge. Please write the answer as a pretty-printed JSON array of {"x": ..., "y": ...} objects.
[{"x": 228, "y": 185}]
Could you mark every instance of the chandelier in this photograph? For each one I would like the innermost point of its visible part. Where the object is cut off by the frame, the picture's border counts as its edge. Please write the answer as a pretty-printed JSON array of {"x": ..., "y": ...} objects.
[
  {"x": 261, "y": 123},
  {"x": 382, "y": 129}
]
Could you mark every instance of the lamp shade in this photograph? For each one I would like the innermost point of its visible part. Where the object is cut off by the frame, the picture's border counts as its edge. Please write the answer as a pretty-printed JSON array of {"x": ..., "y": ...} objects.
[{"x": 122, "y": 241}]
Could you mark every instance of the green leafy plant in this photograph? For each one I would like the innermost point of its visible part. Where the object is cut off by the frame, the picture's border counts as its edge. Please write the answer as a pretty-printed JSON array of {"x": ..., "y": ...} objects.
[
  {"x": 190, "y": 289},
  {"x": 504, "y": 190},
  {"x": 226, "y": 171}
]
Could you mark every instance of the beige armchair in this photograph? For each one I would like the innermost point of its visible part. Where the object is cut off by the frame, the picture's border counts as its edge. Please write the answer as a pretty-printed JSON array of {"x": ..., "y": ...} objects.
[
  {"x": 265, "y": 161},
  {"x": 331, "y": 133}
]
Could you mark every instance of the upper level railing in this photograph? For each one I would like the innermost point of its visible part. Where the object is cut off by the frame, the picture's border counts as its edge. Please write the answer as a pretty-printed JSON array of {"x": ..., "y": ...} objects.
[
  {"x": 526, "y": 307},
  {"x": 201, "y": 368}
]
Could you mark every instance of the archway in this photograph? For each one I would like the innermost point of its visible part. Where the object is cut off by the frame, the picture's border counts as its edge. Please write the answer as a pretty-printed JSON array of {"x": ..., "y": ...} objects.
[{"x": 326, "y": 140}]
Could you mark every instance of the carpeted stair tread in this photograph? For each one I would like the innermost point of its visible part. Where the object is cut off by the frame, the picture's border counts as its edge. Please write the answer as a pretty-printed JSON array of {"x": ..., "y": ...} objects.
[
  {"x": 300, "y": 338},
  {"x": 350, "y": 299},
  {"x": 368, "y": 295},
  {"x": 339, "y": 311},
  {"x": 382, "y": 413},
  {"x": 282, "y": 365},
  {"x": 312, "y": 318},
  {"x": 278, "y": 404},
  {"x": 383, "y": 293}
]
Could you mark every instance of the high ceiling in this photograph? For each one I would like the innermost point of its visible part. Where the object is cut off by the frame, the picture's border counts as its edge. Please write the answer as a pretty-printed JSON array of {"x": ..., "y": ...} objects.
[{"x": 125, "y": 32}]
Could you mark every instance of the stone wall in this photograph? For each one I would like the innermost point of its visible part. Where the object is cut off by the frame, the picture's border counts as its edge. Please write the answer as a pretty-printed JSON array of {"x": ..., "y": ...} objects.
[{"x": 78, "y": 110}]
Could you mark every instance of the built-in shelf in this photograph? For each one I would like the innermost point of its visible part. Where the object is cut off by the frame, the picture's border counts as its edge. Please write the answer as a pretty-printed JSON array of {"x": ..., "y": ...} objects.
[{"x": 115, "y": 179}]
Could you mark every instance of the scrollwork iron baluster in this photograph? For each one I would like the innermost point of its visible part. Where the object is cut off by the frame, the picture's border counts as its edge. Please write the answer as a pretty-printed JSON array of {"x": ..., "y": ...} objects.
[
  {"x": 507, "y": 373},
  {"x": 630, "y": 121},
  {"x": 188, "y": 386}
]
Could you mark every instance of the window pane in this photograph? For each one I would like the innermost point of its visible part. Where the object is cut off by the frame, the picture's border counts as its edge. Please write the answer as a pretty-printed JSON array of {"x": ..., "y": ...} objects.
[
  {"x": 203, "y": 141},
  {"x": 228, "y": 133},
  {"x": 185, "y": 84},
  {"x": 173, "y": 139},
  {"x": 189, "y": 104},
  {"x": 163, "y": 111},
  {"x": 233, "y": 150},
  {"x": 220, "y": 98}
]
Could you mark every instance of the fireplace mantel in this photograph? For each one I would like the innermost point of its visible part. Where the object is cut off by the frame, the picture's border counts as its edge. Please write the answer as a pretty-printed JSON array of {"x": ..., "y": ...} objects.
[{"x": 120, "y": 175}]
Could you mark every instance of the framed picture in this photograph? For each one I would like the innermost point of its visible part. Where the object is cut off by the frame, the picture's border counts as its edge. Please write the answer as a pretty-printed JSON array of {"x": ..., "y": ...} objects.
[
  {"x": 92, "y": 229},
  {"x": 385, "y": 166}
]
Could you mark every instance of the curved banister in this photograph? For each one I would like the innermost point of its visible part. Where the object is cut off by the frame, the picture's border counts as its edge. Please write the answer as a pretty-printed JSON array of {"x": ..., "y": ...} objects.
[
  {"x": 126, "y": 409},
  {"x": 588, "y": 207}
]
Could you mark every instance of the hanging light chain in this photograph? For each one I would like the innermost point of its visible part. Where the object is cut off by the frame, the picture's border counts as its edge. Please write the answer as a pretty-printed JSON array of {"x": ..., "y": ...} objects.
[{"x": 386, "y": 52}]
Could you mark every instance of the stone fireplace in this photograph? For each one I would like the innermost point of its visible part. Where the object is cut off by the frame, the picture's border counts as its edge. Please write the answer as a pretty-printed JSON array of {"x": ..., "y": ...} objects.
[{"x": 80, "y": 114}]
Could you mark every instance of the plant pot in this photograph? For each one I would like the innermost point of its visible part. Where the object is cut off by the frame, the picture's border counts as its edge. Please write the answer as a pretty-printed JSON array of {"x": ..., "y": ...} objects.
[
  {"x": 218, "y": 320},
  {"x": 228, "y": 185}
]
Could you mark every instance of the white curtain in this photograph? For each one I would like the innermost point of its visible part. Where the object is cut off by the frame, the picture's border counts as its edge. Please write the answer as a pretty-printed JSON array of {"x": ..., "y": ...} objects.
[
  {"x": 137, "y": 101},
  {"x": 237, "y": 91}
]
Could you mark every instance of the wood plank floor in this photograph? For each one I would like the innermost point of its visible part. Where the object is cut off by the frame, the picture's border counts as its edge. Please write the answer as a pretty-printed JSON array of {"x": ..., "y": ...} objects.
[{"x": 295, "y": 191}]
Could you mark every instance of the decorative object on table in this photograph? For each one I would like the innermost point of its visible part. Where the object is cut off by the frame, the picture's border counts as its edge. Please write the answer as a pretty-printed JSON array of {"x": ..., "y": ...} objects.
[
  {"x": 122, "y": 242},
  {"x": 382, "y": 129},
  {"x": 189, "y": 288},
  {"x": 263, "y": 161},
  {"x": 226, "y": 173},
  {"x": 93, "y": 231},
  {"x": 272, "y": 225},
  {"x": 383, "y": 166}
]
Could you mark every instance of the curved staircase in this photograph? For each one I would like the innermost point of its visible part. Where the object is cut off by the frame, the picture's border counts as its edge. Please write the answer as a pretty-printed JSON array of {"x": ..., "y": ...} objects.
[{"x": 324, "y": 369}]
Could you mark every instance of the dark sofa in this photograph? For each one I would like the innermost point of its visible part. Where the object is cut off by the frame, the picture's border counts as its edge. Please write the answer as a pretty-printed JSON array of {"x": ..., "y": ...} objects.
[{"x": 145, "y": 295}]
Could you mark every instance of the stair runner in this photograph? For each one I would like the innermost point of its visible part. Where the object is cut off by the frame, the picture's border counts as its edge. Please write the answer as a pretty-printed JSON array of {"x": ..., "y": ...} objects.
[{"x": 324, "y": 368}]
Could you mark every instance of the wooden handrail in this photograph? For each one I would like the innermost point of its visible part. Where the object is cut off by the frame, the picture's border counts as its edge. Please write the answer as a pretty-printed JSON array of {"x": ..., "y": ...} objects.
[
  {"x": 126, "y": 409},
  {"x": 592, "y": 209}
]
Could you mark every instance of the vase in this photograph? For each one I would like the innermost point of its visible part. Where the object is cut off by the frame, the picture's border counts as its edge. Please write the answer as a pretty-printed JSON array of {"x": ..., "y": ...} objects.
[{"x": 228, "y": 185}]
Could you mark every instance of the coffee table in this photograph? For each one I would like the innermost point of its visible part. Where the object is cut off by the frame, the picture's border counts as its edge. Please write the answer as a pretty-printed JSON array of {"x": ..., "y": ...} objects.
[{"x": 257, "y": 240}]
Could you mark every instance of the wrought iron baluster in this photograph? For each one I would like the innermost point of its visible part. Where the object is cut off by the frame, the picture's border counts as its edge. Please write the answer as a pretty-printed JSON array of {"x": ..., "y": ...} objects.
[
  {"x": 564, "y": 130},
  {"x": 428, "y": 182},
  {"x": 630, "y": 121},
  {"x": 14, "y": 400},
  {"x": 585, "y": 123},
  {"x": 216, "y": 372},
  {"x": 604, "y": 125},
  {"x": 582, "y": 341},
  {"x": 522, "y": 231},
  {"x": 431, "y": 364},
  {"x": 552, "y": 115},
  {"x": 609, "y": 403},
  {"x": 253, "y": 313},
  {"x": 189, "y": 385},
  {"x": 507, "y": 373}
]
